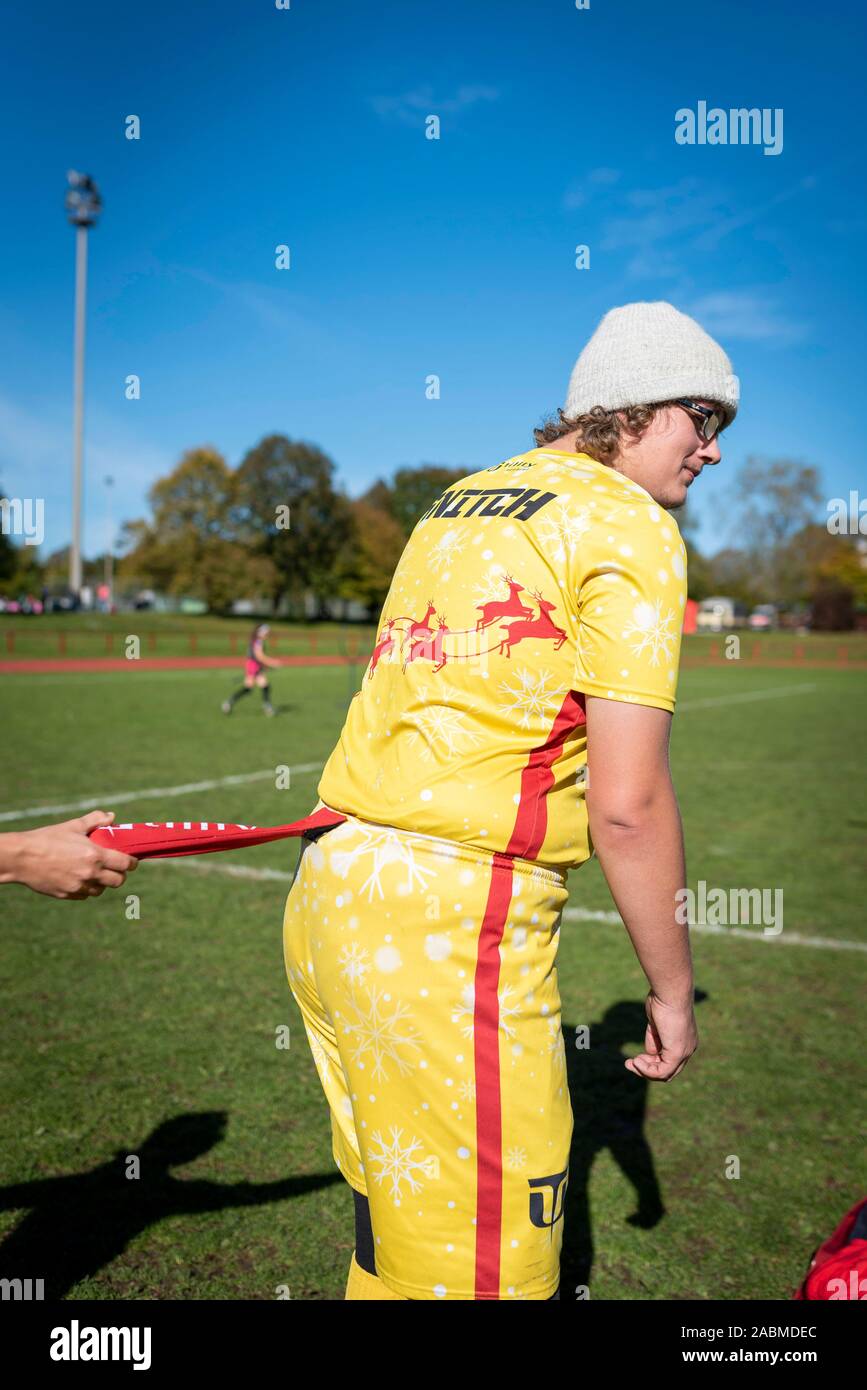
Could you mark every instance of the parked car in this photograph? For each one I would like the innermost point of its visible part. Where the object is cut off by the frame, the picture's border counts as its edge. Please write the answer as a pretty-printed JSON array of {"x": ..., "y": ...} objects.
[
  {"x": 764, "y": 617},
  {"x": 62, "y": 603},
  {"x": 720, "y": 614}
]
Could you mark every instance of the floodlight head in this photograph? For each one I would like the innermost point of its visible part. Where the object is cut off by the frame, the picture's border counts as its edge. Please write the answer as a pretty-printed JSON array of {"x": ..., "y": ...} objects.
[{"x": 83, "y": 201}]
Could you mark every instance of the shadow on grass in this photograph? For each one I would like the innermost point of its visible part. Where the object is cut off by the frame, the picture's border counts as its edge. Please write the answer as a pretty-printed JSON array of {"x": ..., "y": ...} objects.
[
  {"x": 78, "y": 1224},
  {"x": 609, "y": 1105}
]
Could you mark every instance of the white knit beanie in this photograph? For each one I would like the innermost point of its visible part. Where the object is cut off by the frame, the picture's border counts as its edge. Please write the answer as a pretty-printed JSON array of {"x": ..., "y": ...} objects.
[{"x": 642, "y": 353}]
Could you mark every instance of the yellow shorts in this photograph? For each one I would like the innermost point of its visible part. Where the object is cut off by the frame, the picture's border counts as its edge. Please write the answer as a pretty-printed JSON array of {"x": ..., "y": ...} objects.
[{"x": 424, "y": 972}]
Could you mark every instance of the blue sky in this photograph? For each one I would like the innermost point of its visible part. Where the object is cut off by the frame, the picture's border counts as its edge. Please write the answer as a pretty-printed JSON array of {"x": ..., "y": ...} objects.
[{"x": 409, "y": 256}]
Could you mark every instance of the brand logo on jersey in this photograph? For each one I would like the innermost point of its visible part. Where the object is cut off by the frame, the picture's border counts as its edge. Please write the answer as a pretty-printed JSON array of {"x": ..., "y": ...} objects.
[
  {"x": 548, "y": 1195},
  {"x": 519, "y": 503}
]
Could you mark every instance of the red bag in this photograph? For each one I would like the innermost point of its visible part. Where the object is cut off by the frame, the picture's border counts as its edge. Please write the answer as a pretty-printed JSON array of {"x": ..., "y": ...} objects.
[
  {"x": 838, "y": 1268},
  {"x": 149, "y": 840}
]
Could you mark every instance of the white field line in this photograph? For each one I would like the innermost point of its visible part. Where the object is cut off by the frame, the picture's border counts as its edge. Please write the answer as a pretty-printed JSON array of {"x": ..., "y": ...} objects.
[
  {"x": 742, "y": 699},
  {"x": 108, "y": 801},
  {"x": 570, "y": 914},
  {"x": 785, "y": 938},
  {"x": 111, "y": 799}
]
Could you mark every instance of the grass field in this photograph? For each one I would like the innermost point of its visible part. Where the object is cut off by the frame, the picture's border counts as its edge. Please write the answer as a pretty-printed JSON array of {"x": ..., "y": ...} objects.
[{"x": 156, "y": 1037}]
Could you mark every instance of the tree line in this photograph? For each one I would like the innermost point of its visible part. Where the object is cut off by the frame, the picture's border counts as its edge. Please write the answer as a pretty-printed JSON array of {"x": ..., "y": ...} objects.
[{"x": 279, "y": 527}]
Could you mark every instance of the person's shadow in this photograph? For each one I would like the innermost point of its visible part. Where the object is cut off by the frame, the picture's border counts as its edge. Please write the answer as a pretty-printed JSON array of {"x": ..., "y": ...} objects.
[
  {"x": 79, "y": 1223},
  {"x": 609, "y": 1105}
]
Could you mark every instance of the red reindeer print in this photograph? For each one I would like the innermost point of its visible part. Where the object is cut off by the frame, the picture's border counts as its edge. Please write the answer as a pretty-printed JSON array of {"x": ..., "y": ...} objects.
[
  {"x": 510, "y": 607},
  {"x": 384, "y": 645},
  {"x": 421, "y": 629},
  {"x": 540, "y": 626},
  {"x": 430, "y": 648}
]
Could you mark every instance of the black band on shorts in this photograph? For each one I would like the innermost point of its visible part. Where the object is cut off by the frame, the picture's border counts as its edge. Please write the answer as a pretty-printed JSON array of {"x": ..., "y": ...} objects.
[{"x": 363, "y": 1234}]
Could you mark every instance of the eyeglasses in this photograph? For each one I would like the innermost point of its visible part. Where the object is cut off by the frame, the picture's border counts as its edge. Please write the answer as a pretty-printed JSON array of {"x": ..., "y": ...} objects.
[{"x": 712, "y": 420}]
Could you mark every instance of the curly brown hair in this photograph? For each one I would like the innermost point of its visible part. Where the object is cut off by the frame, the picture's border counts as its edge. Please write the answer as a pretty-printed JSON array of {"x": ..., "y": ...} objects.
[{"x": 601, "y": 432}]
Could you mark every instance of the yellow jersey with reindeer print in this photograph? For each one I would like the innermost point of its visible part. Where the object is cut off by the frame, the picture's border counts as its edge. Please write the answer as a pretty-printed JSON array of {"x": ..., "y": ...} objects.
[{"x": 524, "y": 588}]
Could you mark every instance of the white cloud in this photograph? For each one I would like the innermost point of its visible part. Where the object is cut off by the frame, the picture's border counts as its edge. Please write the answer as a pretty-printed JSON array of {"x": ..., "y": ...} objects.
[
  {"x": 750, "y": 315},
  {"x": 580, "y": 192},
  {"x": 412, "y": 107},
  {"x": 662, "y": 214}
]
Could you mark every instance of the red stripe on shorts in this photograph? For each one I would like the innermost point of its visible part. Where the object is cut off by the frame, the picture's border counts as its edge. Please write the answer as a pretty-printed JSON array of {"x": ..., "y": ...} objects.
[{"x": 526, "y": 841}]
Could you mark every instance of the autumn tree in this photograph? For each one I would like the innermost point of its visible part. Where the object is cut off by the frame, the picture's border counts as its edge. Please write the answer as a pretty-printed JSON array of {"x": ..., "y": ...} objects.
[
  {"x": 189, "y": 548},
  {"x": 367, "y": 562}
]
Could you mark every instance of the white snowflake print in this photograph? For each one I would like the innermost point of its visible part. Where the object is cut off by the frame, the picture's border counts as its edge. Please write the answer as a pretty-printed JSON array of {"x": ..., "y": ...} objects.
[
  {"x": 440, "y": 728},
  {"x": 561, "y": 529},
  {"x": 382, "y": 1031},
  {"x": 320, "y": 1056},
  {"x": 463, "y": 1013},
  {"x": 384, "y": 847},
  {"x": 652, "y": 631},
  {"x": 556, "y": 1044},
  {"x": 508, "y": 1011},
  {"x": 492, "y": 588},
  {"x": 516, "y": 1158},
  {"x": 443, "y": 552},
  {"x": 353, "y": 963},
  {"x": 467, "y": 1091},
  {"x": 532, "y": 697},
  {"x": 400, "y": 1163}
]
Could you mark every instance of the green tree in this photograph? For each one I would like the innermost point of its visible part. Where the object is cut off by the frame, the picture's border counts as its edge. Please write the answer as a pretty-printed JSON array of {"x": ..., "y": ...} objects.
[
  {"x": 8, "y": 559},
  {"x": 412, "y": 491},
  {"x": 288, "y": 507},
  {"x": 732, "y": 574},
  {"x": 20, "y": 569}
]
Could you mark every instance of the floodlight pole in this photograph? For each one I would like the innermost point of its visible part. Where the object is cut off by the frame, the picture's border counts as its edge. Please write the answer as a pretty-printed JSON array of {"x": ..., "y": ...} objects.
[
  {"x": 83, "y": 205},
  {"x": 78, "y": 407}
]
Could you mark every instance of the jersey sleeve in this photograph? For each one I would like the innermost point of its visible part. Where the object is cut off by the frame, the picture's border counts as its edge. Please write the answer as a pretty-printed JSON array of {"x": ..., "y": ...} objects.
[{"x": 631, "y": 596}]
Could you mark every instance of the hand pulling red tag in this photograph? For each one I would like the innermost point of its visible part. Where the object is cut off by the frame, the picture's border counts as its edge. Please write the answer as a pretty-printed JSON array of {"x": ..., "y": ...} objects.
[{"x": 150, "y": 840}]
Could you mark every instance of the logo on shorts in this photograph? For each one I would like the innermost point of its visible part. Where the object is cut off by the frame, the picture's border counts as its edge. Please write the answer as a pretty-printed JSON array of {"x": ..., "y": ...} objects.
[{"x": 557, "y": 1183}]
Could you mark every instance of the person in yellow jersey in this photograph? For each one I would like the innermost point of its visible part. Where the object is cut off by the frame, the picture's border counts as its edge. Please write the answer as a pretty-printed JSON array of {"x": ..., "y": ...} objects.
[{"x": 513, "y": 718}]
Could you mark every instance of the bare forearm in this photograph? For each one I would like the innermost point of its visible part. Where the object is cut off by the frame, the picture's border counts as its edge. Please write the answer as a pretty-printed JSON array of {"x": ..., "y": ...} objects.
[
  {"x": 62, "y": 861},
  {"x": 11, "y": 847},
  {"x": 642, "y": 858}
]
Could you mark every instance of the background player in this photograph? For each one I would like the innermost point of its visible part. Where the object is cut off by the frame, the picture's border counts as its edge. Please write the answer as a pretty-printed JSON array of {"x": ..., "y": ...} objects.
[
  {"x": 514, "y": 718},
  {"x": 254, "y": 671}
]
